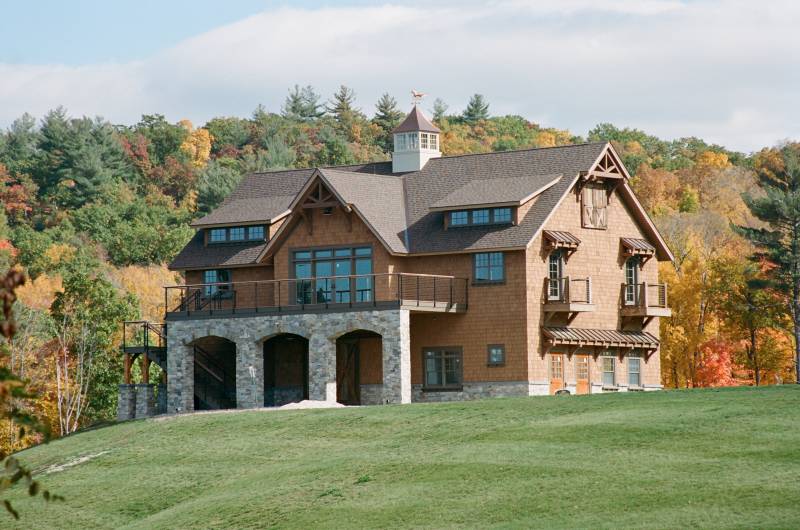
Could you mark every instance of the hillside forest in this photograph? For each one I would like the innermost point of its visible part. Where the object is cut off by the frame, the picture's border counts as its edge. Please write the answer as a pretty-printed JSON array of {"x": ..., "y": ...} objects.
[{"x": 93, "y": 211}]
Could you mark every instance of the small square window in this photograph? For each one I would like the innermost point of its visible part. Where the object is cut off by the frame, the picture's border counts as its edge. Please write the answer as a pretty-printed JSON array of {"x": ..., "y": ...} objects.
[
  {"x": 497, "y": 354},
  {"x": 255, "y": 233},
  {"x": 459, "y": 218},
  {"x": 502, "y": 215},
  {"x": 236, "y": 234},
  {"x": 217, "y": 235},
  {"x": 480, "y": 217}
]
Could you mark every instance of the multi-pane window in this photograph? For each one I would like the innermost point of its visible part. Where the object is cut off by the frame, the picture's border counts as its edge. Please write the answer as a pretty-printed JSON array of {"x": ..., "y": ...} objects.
[
  {"x": 480, "y": 217},
  {"x": 489, "y": 267},
  {"x": 582, "y": 368},
  {"x": 555, "y": 270},
  {"x": 459, "y": 218},
  {"x": 594, "y": 207},
  {"x": 400, "y": 142},
  {"x": 634, "y": 371},
  {"x": 557, "y": 367},
  {"x": 218, "y": 235},
  {"x": 631, "y": 279},
  {"x": 501, "y": 215},
  {"x": 216, "y": 276},
  {"x": 423, "y": 140},
  {"x": 236, "y": 233},
  {"x": 497, "y": 354},
  {"x": 434, "y": 141},
  {"x": 411, "y": 141},
  {"x": 340, "y": 275},
  {"x": 608, "y": 371},
  {"x": 255, "y": 233},
  {"x": 443, "y": 368}
]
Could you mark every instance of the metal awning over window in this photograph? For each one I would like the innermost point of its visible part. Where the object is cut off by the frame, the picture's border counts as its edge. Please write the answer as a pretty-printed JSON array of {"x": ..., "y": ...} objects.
[
  {"x": 637, "y": 247},
  {"x": 604, "y": 338},
  {"x": 557, "y": 239}
]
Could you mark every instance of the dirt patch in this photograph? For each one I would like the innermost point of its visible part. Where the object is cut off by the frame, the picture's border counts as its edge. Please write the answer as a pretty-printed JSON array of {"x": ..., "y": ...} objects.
[{"x": 72, "y": 463}]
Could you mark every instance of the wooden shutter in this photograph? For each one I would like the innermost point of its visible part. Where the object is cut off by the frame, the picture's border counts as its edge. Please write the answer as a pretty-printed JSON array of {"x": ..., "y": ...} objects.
[{"x": 595, "y": 207}]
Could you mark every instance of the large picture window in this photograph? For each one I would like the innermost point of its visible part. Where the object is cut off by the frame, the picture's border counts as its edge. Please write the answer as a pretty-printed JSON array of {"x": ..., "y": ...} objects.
[
  {"x": 333, "y": 275},
  {"x": 489, "y": 267},
  {"x": 443, "y": 368}
]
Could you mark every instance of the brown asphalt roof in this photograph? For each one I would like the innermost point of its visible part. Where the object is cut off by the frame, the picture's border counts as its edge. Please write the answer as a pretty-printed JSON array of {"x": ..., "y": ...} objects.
[
  {"x": 416, "y": 121},
  {"x": 398, "y": 207}
]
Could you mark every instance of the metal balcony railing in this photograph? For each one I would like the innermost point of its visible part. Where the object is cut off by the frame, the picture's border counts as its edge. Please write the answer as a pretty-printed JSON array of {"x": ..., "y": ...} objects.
[
  {"x": 567, "y": 290},
  {"x": 645, "y": 295}
]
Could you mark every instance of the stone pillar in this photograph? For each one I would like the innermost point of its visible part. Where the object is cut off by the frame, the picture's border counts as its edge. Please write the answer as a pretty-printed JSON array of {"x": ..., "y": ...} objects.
[
  {"x": 397, "y": 358},
  {"x": 126, "y": 405},
  {"x": 249, "y": 375},
  {"x": 161, "y": 399},
  {"x": 145, "y": 400},
  {"x": 180, "y": 374},
  {"x": 321, "y": 368}
]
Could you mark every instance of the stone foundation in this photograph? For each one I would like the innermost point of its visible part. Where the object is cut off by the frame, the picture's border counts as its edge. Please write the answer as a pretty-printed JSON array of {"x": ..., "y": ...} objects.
[
  {"x": 321, "y": 330},
  {"x": 281, "y": 395},
  {"x": 161, "y": 399},
  {"x": 126, "y": 403},
  {"x": 371, "y": 394},
  {"x": 473, "y": 391},
  {"x": 145, "y": 400}
]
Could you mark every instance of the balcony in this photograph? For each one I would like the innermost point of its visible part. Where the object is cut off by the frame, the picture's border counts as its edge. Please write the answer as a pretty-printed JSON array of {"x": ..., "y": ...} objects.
[
  {"x": 569, "y": 296},
  {"x": 645, "y": 300},
  {"x": 415, "y": 292}
]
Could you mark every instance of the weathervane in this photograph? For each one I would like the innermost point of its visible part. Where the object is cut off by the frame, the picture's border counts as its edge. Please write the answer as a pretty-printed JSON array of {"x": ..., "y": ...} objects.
[{"x": 417, "y": 96}]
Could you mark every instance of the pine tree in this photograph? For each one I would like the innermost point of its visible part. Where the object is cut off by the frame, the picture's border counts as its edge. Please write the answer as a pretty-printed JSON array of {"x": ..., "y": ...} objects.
[
  {"x": 302, "y": 104},
  {"x": 387, "y": 117},
  {"x": 439, "y": 110},
  {"x": 342, "y": 108},
  {"x": 778, "y": 172},
  {"x": 477, "y": 109}
]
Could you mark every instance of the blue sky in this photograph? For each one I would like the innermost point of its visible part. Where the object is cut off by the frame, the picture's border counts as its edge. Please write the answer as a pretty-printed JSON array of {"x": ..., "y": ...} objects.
[{"x": 724, "y": 70}]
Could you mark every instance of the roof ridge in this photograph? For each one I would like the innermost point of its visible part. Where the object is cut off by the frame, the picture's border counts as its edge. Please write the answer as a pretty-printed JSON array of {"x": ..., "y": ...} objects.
[{"x": 584, "y": 144}]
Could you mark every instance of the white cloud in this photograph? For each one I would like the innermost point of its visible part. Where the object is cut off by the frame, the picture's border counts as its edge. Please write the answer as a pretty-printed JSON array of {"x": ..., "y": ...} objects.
[{"x": 725, "y": 71}]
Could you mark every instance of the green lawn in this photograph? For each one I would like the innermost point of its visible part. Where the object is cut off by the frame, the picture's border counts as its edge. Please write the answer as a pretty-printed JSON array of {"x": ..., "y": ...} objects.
[{"x": 702, "y": 458}]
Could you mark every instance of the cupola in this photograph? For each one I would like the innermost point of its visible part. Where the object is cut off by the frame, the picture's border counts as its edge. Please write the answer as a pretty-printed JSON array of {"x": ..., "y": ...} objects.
[{"x": 416, "y": 141}]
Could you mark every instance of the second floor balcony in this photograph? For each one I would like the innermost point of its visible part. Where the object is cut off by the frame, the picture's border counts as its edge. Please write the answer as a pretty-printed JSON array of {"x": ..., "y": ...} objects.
[
  {"x": 568, "y": 295},
  {"x": 645, "y": 300},
  {"x": 416, "y": 292}
]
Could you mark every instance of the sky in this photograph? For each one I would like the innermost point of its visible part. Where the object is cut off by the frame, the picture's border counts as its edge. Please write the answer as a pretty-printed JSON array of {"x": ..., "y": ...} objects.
[{"x": 727, "y": 71}]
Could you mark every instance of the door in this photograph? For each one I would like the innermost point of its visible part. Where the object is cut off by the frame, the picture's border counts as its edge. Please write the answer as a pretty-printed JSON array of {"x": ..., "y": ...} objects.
[
  {"x": 556, "y": 372},
  {"x": 348, "y": 387},
  {"x": 582, "y": 374}
]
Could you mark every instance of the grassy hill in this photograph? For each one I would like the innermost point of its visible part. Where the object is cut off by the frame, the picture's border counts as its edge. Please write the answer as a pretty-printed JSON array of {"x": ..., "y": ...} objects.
[{"x": 702, "y": 458}]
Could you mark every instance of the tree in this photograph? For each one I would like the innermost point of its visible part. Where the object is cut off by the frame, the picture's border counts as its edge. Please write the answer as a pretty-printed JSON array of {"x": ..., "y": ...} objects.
[
  {"x": 197, "y": 145},
  {"x": 164, "y": 138},
  {"x": 302, "y": 104},
  {"x": 228, "y": 133},
  {"x": 778, "y": 172},
  {"x": 439, "y": 110},
  {"x": 477, "y": 109},
  {"x": 387, "y": 117},
  {"x": 342, "y": 108},
  {"x": 216, "y": 182}
]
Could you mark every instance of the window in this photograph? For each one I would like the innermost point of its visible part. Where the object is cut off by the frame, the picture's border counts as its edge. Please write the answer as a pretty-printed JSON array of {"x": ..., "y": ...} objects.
[
  {"x": 400, "y": 142},
  {"x": 582, "y": 368},
  {"x": 340, "y": 275},
  {"x": 497, "y": 354},
  {"x": 236, "y": 233},
  {"x": 555, "y": 271},
  {"x": 255, "y": 233},
  {"x": 217, "y": 235},
  {"x": 595, "y": 206},
  {"x": 443, "y": 368},
  {"x": 631, "y": 280},
  {"x": 557, "y": 367},
  {"x": 608, "y": 371},
  {"x": 489, "y": 267},
  {"x": 501, "y": 215},
  {"x": 634, "y": 371},
  {"x": 423, "y": 140},
  {"x": 480, "y": 217},
  {"x": 411, "y": 140},
  {"x": 215, "y": 277},
  {"x": 434, "y": 140},
  {"x": 459, "y": 218}
]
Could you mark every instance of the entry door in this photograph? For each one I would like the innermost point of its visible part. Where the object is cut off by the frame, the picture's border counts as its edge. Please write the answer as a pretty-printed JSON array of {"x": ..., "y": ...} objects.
[
  {"x": 556, "y": 372},
  {"x": 582, "y": 374},
  {"x": 348, "y": 387}
]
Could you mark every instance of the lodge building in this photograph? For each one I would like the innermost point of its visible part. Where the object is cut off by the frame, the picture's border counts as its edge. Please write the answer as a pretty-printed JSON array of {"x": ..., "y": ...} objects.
[{"x": 425, "y": 278}]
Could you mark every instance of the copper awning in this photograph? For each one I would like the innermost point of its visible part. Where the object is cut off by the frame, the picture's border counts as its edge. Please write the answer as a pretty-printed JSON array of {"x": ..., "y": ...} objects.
[
  {"x": 558, "y": 239},
  {"x": 608, "y": 338},
  {"x": 637, "y": 247}
]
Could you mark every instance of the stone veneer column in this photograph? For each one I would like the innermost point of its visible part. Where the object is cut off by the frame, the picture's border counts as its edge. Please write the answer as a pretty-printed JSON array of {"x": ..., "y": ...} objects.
[
  {"x": 126, "y": 404},
  {"x": 249, "y": 375},
  {"x": 321, "y": 368},
  {"x": 396, "y": 340},
  {"x": 145, "y": 400},
  {"x": 180, "y": 374}
]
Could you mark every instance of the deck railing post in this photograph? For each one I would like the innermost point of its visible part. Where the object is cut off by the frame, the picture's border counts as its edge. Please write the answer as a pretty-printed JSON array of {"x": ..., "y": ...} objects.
[{"x": 645, "y": 301}]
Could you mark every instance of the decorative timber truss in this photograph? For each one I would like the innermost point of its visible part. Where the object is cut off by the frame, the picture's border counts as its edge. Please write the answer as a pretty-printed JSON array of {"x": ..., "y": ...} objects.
[{"x": 319, "y": 197}]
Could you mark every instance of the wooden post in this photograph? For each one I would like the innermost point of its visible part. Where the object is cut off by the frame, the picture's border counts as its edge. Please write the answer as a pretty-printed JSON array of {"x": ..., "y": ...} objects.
[
  {"x": 145, "y": 369},
  {"x": 127, "y": 373}
]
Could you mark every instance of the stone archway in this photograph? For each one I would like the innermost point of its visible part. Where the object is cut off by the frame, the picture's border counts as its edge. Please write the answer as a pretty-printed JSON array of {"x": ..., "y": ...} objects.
[
  {"x": 214, "y": 373},
  {"x": 359, "y": 368},
  {"x": 285, "y": 369}
]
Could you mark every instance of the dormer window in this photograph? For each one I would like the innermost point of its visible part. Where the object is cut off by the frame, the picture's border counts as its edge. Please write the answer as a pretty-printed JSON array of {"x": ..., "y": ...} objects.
[
  {"x": 236, "y": 234},
  {"x": 479, "y": 217}
]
